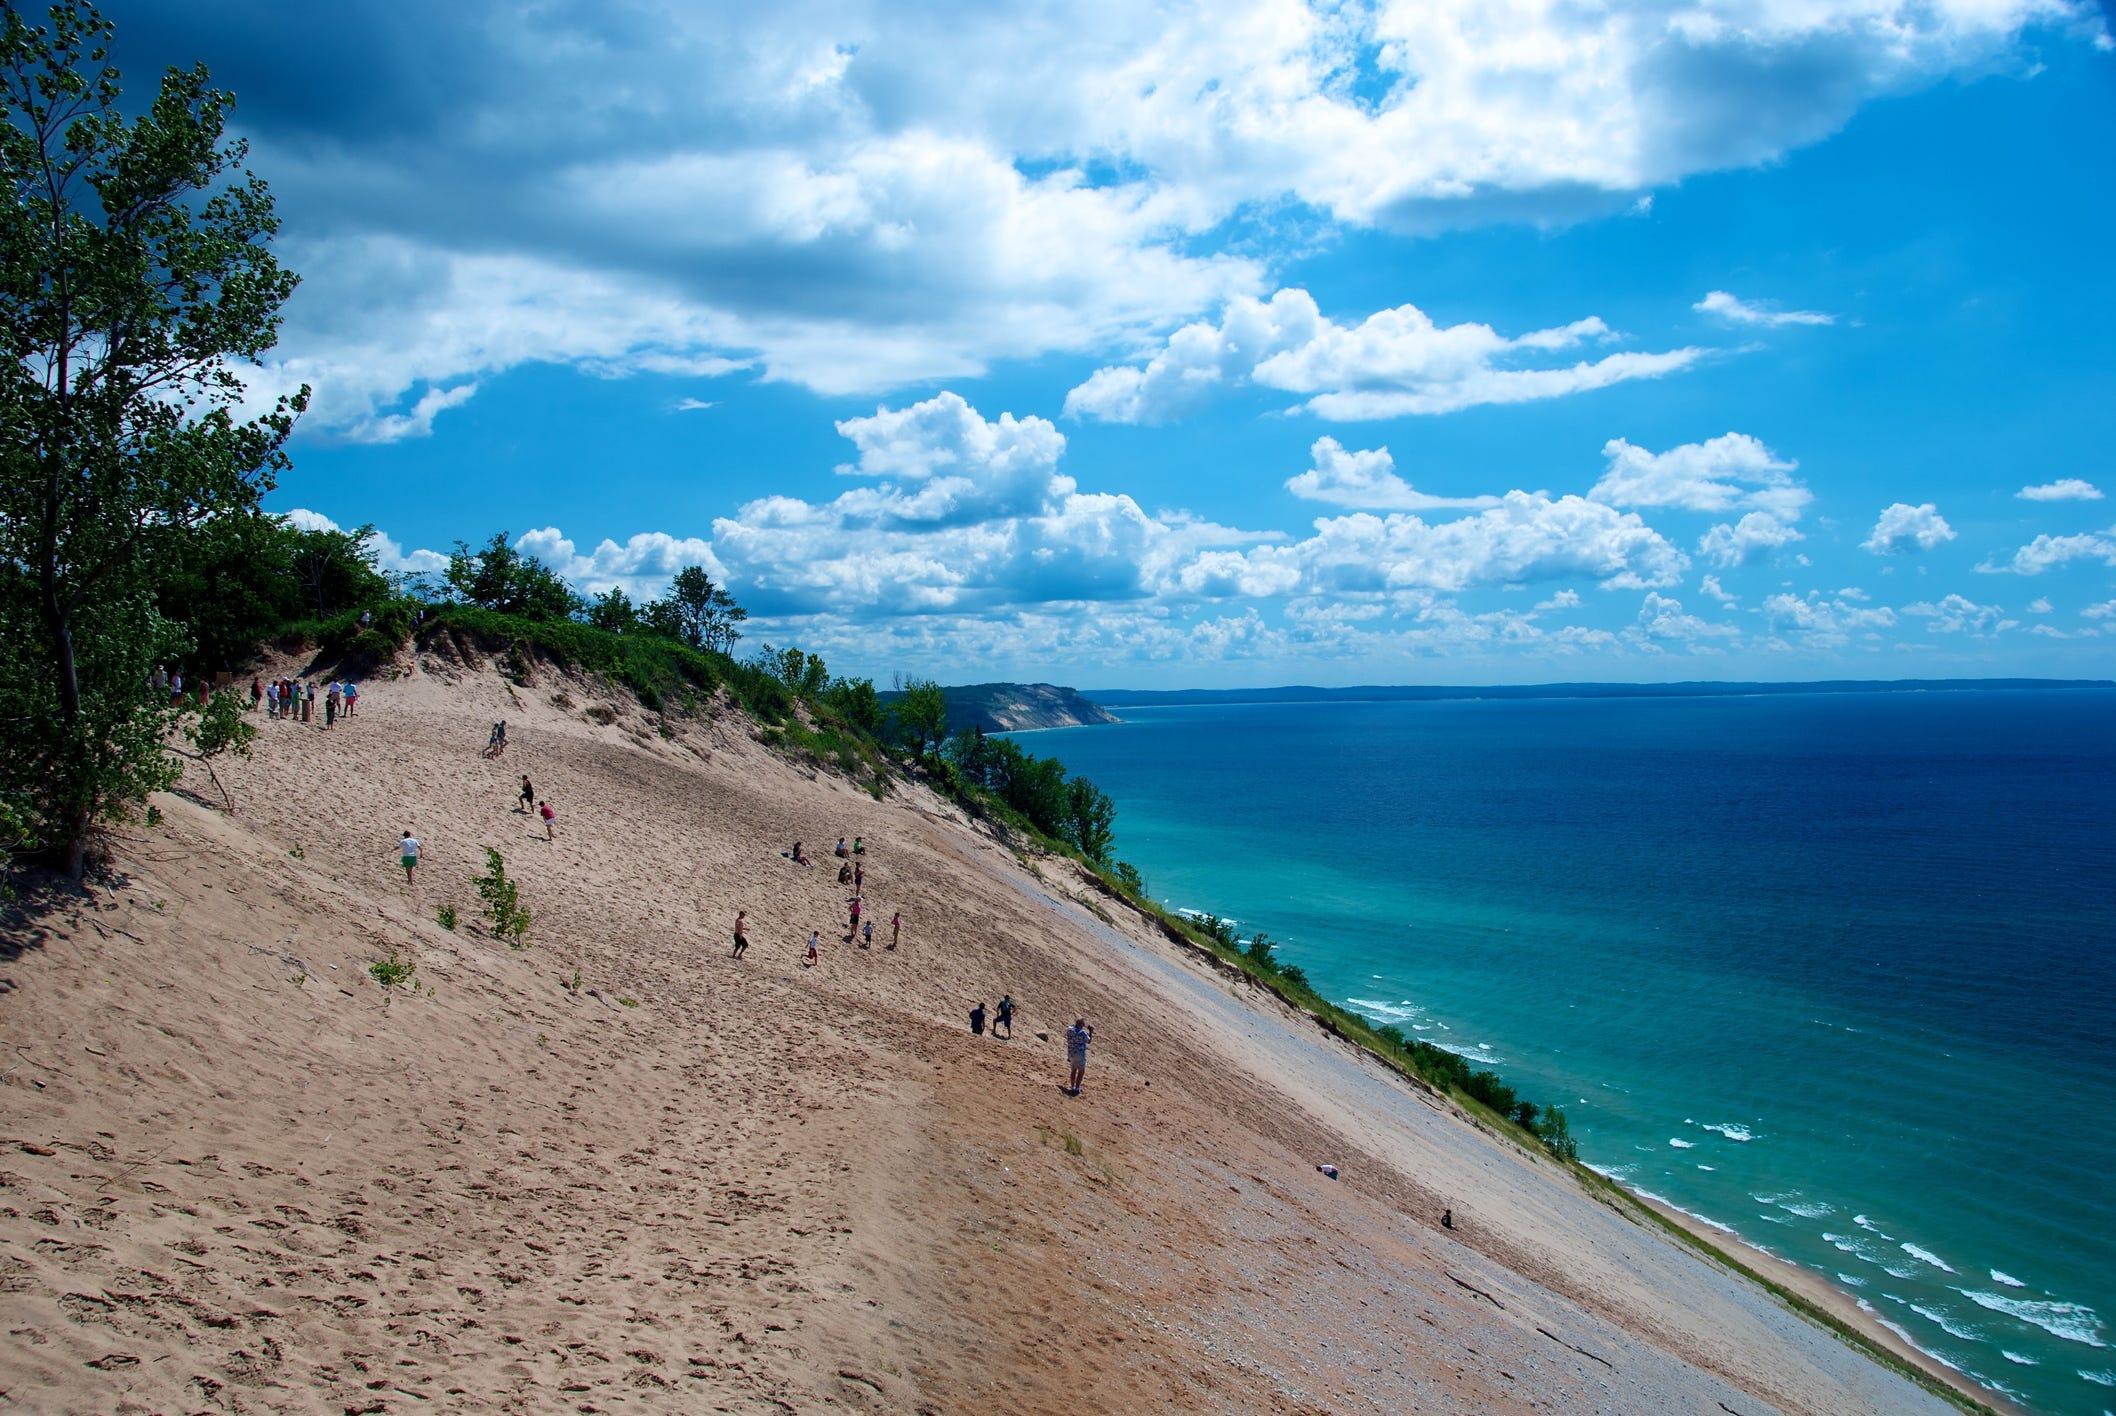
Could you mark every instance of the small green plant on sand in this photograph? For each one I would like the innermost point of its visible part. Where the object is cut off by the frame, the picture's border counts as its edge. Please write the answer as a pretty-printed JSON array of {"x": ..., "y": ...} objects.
[
  {"x": 445, "y": 916},
  {"x": 392, "y": 972},
  {"x": 628, "y": 1002},
  {"x": 503, "y": 905},
  {"x": 1066, "y": 1140},
  {"x": 573, "y": 983},
  {"x": 154, "y": 815}
]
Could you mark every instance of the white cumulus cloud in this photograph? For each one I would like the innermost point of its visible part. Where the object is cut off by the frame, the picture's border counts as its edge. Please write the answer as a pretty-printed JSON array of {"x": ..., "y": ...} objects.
[
  {"x": 389, "y": 556},
  {"x": 1393, "y": 363},
  {"x": 1366, "y": 480},
  {"x": 2049, "y": 552},
  {"x": 2063, "y": 489},
  {"x": 1903, "y": 525},
  {"x": 1736, "y": 310}
]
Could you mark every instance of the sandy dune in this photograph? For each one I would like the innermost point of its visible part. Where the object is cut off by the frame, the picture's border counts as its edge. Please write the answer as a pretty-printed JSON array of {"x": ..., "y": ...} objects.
[{"x": 236, "y": 1174}]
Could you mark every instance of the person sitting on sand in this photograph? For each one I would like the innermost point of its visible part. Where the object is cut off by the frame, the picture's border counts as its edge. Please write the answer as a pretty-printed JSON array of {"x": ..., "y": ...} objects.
[
  {"x": 1077, "y": 1038},
  {"x": 810, "y": 961},
  {"x": 543, "y": 809},
  {"x": 1329, "y": 1171},
  {"x": 840, "y": 850},
  {"x": 1003, "y": 1015},
  {"x": 977, "y": 1018},
  {"x": 844, "y": 875},
  {"x": 528, "y": 796},
  {"x": 859, "y": 847},
  {"x": 408, "y": 848},
  {"x": 798, "y": 858},
  {"x": 741, "y": 933}
]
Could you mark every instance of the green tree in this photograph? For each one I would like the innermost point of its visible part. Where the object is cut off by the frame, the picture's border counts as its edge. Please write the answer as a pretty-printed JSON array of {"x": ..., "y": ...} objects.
[
  {"x": 1093, "y": 818},
  {"x": 613, "y": 610},
  {"x": 921, "y": 714},
  {"x": 137, "y": 283},
  {"x": 499, "y": 577},
  {"x": 221, "y": 728},
  {"x": 697, "y": 612},
  {"x": 335, "y": 569},
  {"x": 857, "y": 702}
]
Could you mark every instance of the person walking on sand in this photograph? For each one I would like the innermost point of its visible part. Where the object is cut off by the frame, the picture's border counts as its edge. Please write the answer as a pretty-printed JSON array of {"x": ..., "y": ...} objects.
[
  {"x": 854, "y": 927},
  {"x": 867, "y": 935},
  {"x": 896, "y": 928},
  {"x": 813, "y": 941},
  {"x": 741, "y": 933},
  {"x": 528, "y": 797},
  {"x": 1003, "y": 1015},
  {"x": 859, "y": 878},
  {"x": 256, "y": 693},
  {"x": 977, "y": 1019},
  {"x": 271, "y": 694},
  {"x": 330, "y": 704},
  {"x": 408, "y": 849},
  {"x": 543, "y": 809},
  {"x": 352, "y": 697},
  {"x": 1077, "y": 1038}
]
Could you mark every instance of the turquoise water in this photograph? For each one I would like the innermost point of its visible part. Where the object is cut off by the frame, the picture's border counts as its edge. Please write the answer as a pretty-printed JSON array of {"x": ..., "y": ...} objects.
[{"x": 1832, "y": 971}]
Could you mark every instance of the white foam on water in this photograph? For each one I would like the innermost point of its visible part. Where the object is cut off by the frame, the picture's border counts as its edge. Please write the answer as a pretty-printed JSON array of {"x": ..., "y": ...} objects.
[
  {"x": 1897, "y": 1329},
  {"x": 2006, "y": 1280},
  {"x": 1854, "y": 1282},
  {"x": 1848, "y": 1244},
  {"x": 1808, "y": 1209},
  {"x": 1864, "y": 1306},
  {"x": 1707, "y": 1167},
  {"x": 1403, "y": 1012},
  {"x": 1732, "y": 1130},
  {"x": 1944, "y": 1323},
  {"x": 2016, "y": 1358},
  {"x": 1681, "y": 1144},
  {"x": 1693, "y": 1214},
  {"x": 2074, "y": 1322},
  {"x": 1895, "y": 1272},
  {"x": 2107, "y": 1379},
  {"x": 1870, "y": 1227},
  {"x": 1612, "y": 1172},
  {"x": 1768, "y": 1218},
  {"x": 1926, "y": 1256}
]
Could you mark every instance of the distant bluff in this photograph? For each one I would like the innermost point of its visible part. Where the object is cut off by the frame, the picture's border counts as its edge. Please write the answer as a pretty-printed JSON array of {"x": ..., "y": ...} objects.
[{"x": 1017, "y": 707}]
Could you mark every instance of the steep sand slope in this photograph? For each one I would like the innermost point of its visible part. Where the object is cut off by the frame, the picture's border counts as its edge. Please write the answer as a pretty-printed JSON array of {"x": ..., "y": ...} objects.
[{"x": 235, "y": 1174}]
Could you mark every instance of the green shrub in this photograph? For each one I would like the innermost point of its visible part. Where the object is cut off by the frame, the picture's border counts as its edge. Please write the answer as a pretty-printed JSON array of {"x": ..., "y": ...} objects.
[
  {"x": 503, "y": 906},
  {"x": 392, "y": 972},
  {"x": 445, "y": 916}
]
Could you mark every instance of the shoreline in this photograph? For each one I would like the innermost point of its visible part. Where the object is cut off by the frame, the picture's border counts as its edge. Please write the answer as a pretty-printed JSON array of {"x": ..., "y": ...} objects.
[{"x": 1812, "y": 1288}]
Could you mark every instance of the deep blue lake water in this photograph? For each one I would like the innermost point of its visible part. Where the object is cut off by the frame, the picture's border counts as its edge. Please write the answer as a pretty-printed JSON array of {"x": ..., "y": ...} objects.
[{"x": 1835, "y": 971}]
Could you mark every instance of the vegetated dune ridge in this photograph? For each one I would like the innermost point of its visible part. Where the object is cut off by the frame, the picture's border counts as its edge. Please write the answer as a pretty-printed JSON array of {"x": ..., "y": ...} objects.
[{"x": 237, "y": 1174}]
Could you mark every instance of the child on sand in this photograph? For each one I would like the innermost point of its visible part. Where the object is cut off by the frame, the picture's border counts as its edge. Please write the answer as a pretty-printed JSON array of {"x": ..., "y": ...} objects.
[
  {"x": 810, "y": 961},
  {"x": 408, "y": 848},
  {"x": 741, "y": 934},
  {"x": 1077, "y": 1038},
  {"x": 867, "y": 935},
  {"x": 798, "y": 858},
  {"x": 543, "y": 809},
  {"x": 859, "y": 847}
]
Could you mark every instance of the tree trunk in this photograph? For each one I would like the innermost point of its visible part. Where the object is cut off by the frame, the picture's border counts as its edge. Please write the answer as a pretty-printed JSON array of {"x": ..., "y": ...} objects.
[{"x": 74, "y": 822}]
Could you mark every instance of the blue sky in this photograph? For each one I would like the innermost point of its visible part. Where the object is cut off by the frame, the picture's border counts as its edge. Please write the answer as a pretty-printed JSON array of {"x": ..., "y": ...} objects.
[{"x": 1223, "y": 344}]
